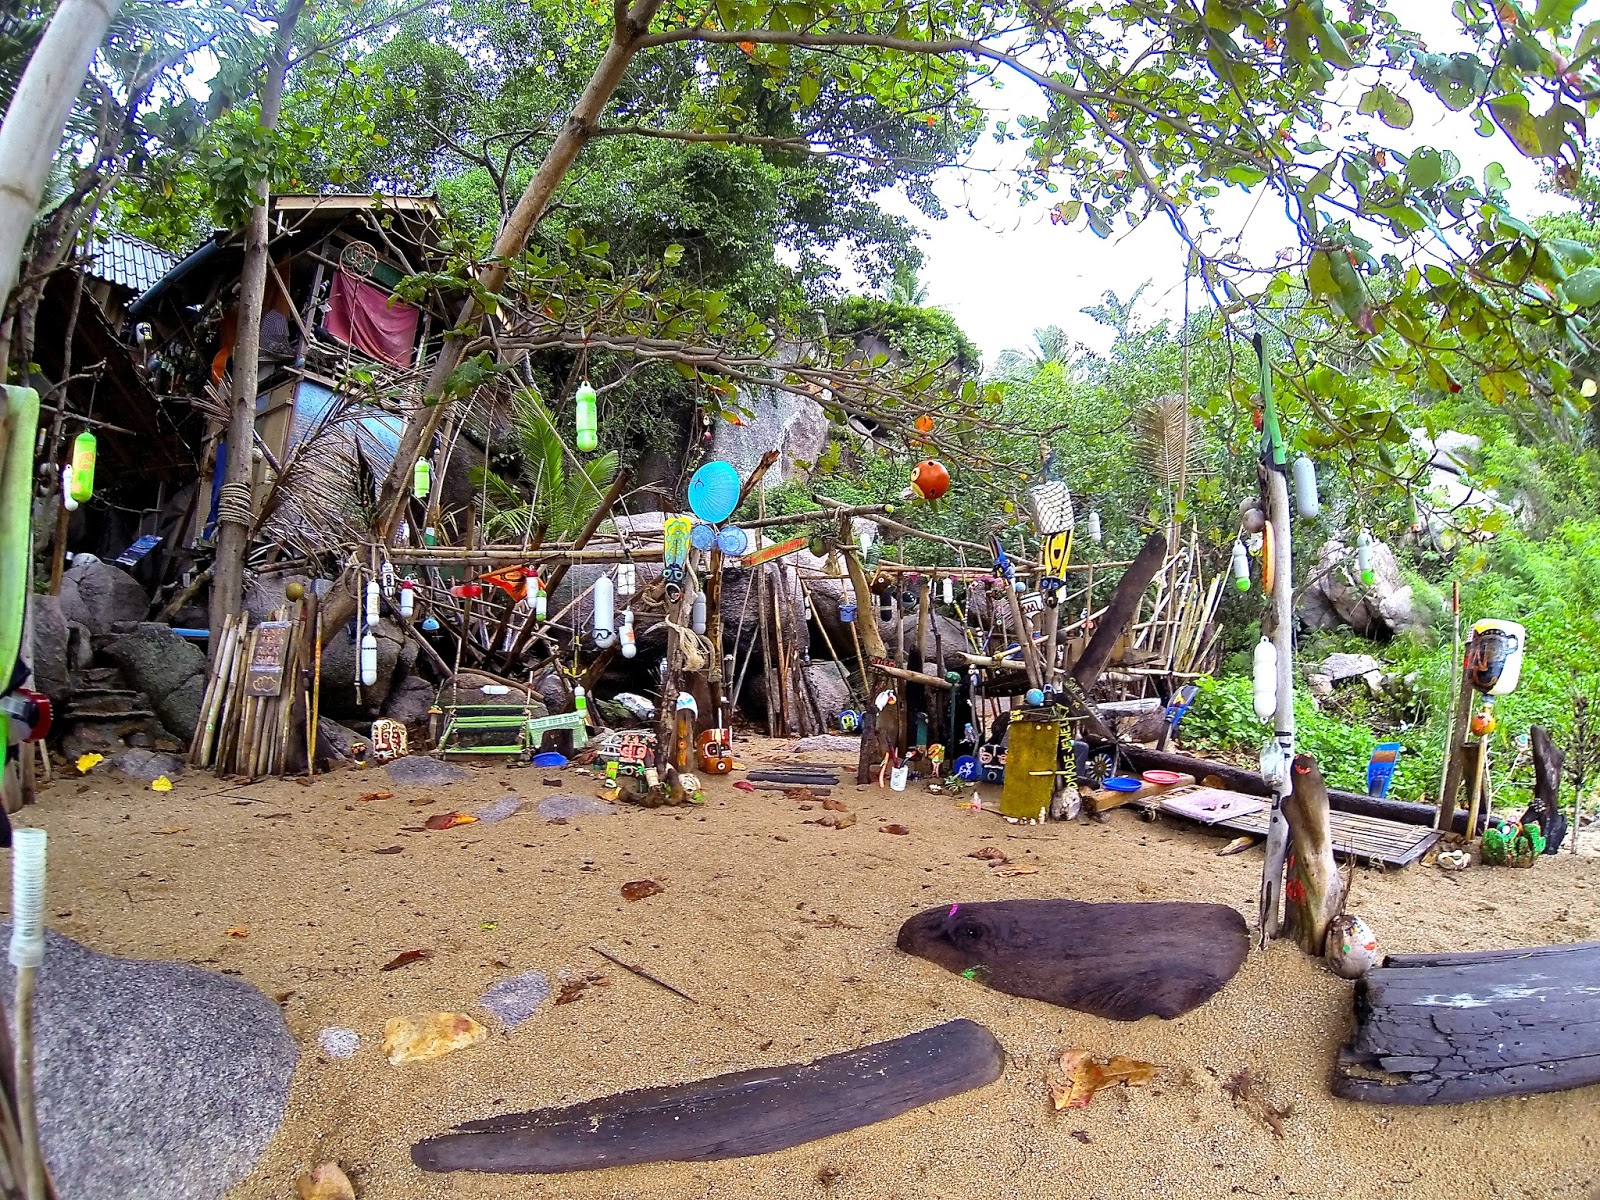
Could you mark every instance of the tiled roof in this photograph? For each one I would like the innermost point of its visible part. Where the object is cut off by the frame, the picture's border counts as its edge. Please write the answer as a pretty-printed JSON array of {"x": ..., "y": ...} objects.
[{"x": 128, "y": 261}]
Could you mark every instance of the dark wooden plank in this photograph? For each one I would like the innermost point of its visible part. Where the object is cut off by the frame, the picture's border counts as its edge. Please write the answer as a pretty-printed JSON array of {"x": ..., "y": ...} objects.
[
  {"x": 1461, "y": 958},
  {"x": 1365, "y": 839}
]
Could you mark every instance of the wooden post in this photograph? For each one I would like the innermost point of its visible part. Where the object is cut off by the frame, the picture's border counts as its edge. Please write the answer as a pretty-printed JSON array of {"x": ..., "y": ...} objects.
[
  {"x": 1456, "y": 757},
  {"x": 666, "y": 714},
  {"x": 1315, "y": 893},
  {"x": 1277, "y": 487}
]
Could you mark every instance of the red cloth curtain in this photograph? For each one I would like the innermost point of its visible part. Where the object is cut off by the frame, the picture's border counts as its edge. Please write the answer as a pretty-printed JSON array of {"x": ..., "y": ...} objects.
[{"x": 362, "y": 316}]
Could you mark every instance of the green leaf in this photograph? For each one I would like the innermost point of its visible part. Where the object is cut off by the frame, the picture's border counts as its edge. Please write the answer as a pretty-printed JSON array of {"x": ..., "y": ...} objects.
[
  {"x": 1319, "y": 274},
  {"x": 672, "y": 255},
  {"x": 1494, "y": 178},
  {"x": 810, "y": 89},
  {"x": 1510, "y": 112},
  {"x": 1582, "y": 287},
  {"x": 1425, "y": 168},
  {"x": 1553, "y": 14},
  {"x": 1391, "y": 108}
]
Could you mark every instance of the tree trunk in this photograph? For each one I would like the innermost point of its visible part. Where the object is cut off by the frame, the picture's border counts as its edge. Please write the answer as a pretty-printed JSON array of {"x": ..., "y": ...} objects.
[
  {"x": 1315, "y": 893},
  {"x": 234, "y": 512},
  {"x": 631, "y": 24},
  {"x": 30, "y": 135}
]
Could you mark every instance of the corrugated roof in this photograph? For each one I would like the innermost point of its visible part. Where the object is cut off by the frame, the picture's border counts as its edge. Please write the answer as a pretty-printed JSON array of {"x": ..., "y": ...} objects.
[{"x": 128, "y": 261}]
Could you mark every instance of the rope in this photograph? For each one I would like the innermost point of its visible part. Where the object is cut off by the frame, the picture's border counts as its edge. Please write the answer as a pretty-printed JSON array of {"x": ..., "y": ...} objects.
[
  {"x": 234, "y": 504},
  {"x": 695, "y": 647}
]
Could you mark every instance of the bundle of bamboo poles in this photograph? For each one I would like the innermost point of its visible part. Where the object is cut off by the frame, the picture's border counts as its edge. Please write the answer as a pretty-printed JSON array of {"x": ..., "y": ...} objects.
[{"x": 242, "y": 734}]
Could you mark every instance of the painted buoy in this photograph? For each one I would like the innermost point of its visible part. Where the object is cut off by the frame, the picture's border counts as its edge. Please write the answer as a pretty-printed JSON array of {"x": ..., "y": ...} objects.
[
  {"x": 1266, "y": 679},
  {"x": 714, "y": 492},
  {"x": 1306, "y": 500},
  {"x": 1352, "y": 948},
  {"x": 929, "y": 479},
  {"x": 605, "y": 616}
]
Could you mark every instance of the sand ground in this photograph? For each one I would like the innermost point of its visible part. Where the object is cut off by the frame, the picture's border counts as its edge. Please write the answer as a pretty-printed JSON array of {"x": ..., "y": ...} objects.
[{"x": 783, "y": 932}]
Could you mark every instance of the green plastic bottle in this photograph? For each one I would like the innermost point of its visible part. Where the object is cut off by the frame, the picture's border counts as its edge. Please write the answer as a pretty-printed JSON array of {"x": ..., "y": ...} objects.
[
  {"x": 421, "y": 479},
  {"x": 588, "y": 417},
  {"x": 83, "y": 456}
]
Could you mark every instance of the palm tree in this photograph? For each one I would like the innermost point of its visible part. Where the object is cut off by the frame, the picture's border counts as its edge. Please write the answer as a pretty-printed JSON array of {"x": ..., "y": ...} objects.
[
  {"x": 906, "y": 288},
  {"x": 557, "y": 491},
  {"x": 1050, "y": 345}
]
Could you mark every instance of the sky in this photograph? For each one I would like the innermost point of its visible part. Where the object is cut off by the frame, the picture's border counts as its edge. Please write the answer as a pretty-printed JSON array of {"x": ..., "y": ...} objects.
[{"x": 1002, "y": 270}]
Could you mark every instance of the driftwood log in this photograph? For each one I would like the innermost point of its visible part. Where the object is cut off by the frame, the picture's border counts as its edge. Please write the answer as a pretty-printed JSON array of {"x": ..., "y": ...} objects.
[
  {"x": 1447, "y": 1028},
  {"x": 1545, "y": 811},
  {"x": 1315, "y": 893},
  {"x": 1248, "y": 781}
]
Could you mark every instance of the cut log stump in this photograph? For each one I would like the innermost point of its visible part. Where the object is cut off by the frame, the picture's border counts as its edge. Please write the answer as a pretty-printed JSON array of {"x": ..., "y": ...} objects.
[{"x": 1449, "y": 1028}]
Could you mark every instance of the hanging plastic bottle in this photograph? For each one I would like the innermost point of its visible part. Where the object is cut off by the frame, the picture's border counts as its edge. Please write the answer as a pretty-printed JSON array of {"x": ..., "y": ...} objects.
[
  {"x": 387, "y": 576},
  {"x": 588, "y": 417},
  {"x": 67, "y": 501},
  {"x": 1306, "y": 500},
  {"x": 430, "y": 536},
  {"x": 372, "y": 602},
  {"x": 408, "y": 600},
  {"x": 1241, "y": 567},
  {"x": 1266, "y": 679},
  {"x": 847, "y": 611},
  {"x": 627, "y": 579},
  {"x": 83, "y": 456},
  {"x": 580, "y": 703},
  {"x": 422, "y": 479},
  {"x": 805, "y": 606},
  {"x": 605, "y": 612},
  {"x": 1094, "y": 525},
  {"x": 947, "y": 590},
  {"x": 629, "y": 648},
  {"x": 1364, "y": 559},
  {"x": 541, "y": 601},
  {"x": 369, "y": 659},
  {"x": 697, "y": 613},
  {"x": 402, "y": 533}
]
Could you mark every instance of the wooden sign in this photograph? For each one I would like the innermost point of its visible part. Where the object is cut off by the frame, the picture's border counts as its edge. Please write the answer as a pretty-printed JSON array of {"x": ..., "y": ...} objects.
[
  {"x": 265, "y": 676},
  {"x": 777, "y": 550}
]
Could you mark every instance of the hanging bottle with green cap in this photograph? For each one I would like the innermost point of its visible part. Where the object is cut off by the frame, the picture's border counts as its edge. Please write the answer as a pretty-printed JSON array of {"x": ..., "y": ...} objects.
[
  {"x": 1241, "y": 567},
  {"x": 83, "y": 456},
  {"x": 588, "y": 417},
  {"x": 1369, "y": 576},
  {"x": 422, "y": 479}
]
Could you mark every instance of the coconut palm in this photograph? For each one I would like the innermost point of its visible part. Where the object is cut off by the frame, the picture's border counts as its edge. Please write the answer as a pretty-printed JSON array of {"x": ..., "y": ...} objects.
[{"x": 554, "y": 489}]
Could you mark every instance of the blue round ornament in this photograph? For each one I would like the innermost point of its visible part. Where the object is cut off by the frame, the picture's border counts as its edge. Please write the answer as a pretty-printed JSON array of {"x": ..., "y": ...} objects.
[{"x": 714, "y": 492}]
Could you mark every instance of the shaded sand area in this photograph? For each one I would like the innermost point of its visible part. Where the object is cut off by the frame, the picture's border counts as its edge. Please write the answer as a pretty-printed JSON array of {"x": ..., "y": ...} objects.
[{"x": 782, "y": 931}]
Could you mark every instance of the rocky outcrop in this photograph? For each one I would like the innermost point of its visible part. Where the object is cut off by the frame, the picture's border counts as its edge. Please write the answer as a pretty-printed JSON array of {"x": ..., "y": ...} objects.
[
  {"x": 167, "y": 669},
  {"x": 51, "y": 657},
  {"x": 1336, "y": 596},
  {"x": 409, "y": 703},
  {"x": 396, "y": 655},
  {"x": 101, "y": 596}
]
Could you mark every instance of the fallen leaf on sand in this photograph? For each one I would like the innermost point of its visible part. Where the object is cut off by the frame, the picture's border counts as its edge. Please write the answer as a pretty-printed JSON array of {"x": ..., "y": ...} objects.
[
  {"x": 449, "y": 820},
  {"x": 325, "y": 1182},
  {"x": 405, "y": 958},
  {"x": 161, "y": 784},
  {"x": 838, "y": 820},
  {"x": 1235, "y": 846},
  {"x": 897, "y": 829},
  {"x": 1008, "y": 870},
  {"x": 638, "y": 889},
  {"x": 833, "y": 805},
  {"x": 574, "y": 989},
  {"x": 744, "y": 785},
  {"x": 1085, "y": 1077},
  {"x": 990, "y": 854},
  {"x": 388, "y": 849},
  {"x": 377, "y": 796},
  {"x": 173, "y": 829},
  {"x": 238, "y": 931},
  {"x": 88, "y": 762},
  {"x": 426, "y": 1036},
  {"x": 419, "y": 801}
]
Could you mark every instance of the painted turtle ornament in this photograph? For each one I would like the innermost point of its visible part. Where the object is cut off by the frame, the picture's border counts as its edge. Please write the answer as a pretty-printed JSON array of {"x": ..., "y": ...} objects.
[{"x": 929, "y": 479}]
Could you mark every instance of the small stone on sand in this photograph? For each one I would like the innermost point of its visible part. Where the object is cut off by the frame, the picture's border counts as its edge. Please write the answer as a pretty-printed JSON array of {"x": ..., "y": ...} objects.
[
  {"x": 339, "y": 1042},
  {"x": 514, "y": 1000},
  {"x": 574, "y": 806}
]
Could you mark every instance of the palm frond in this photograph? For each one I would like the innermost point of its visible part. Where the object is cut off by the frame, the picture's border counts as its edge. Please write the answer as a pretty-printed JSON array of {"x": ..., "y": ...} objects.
[{"x": 1166, "y": 436}]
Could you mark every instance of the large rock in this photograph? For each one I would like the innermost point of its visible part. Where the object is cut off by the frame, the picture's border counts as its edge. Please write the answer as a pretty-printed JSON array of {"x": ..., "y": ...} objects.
[
  {"x": 830, "y": 685},
  {"x": 796, "y": 426},
  {"x": 471, "y": 687},
  {"x": 156, "y": 1080},
  {"x": 102, "y": 596},
  {"x": 409, "y": 703},
  {"x": 1381, "y": 609},
  {"x": 1339, "y": 667},
  {"x": 145, "y": 765},
  {"x": 168, "y": 669},
  {"x": 51, "y": 657},
  {"x": 396, "y": 655}
]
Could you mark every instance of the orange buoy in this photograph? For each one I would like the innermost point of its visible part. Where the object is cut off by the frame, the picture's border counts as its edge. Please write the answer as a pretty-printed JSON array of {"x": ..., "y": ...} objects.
[
  {"x": 924, "y": 423},
  {"x": 929, "y": 479}
]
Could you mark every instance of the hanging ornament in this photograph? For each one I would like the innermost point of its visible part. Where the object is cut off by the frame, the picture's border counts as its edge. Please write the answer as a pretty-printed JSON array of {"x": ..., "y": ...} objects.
[
  {"x": 588, "y": 418},
  {"x": 541, "y": 602},
  {"x": 605, "y": 629},
  {"x": 1306, "y": 500},
  {"x": 430, "y": 536},
  {"x": 387, "y": 575},
  {"x": 1269, "y": 564},
  {"x": 1094, "y": 525},
  {"x": 627, "y": 579},
  {"x": 372, "y": 602},
  {"x": 408, "y": 600},
  {"x": 1364, "y": 567},
  {"x": 629, "y": 647},
  {"x": 83, "y": 456},
  {"x": 1266, "y": 679},
  {"x": 369, "y": 659},
  {"x": 805, "y": 606},
  {"x": 1241, "y": 567},
  {"x": 924, "y": 423},
  {"x": 929, "y": 479},
  {"x": 714, "y": 492},
  {"x": 580, "y": 703},
  {"x": 947, "y": 590},
  {"x": 847, "y": 611},
  {"x": 67, "y": 501},
  {"x": 422, "y": 479},
  {"x": 697, "y": 613}
]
